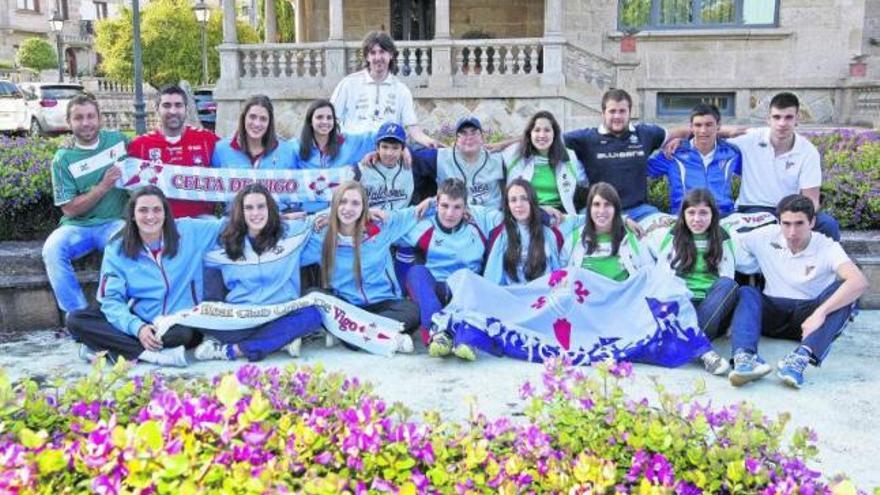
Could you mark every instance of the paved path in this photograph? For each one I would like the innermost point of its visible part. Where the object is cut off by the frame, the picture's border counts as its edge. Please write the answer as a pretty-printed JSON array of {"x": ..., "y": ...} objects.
[{"x": 841, "y": 401}]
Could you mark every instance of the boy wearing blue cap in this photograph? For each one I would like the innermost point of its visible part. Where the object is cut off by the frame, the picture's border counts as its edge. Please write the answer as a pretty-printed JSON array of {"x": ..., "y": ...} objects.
[{"x": 389, "y": 183}]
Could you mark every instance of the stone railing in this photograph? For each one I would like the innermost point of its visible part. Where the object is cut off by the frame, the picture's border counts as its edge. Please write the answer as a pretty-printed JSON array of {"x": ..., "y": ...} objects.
[
  {"x": 503, "y": 57},
  {"x": 582, "y": 66},
  {"x": 280, "y": 60},
  {"x": 19, "y": 75},
  {"x": 421, "y": 64}
]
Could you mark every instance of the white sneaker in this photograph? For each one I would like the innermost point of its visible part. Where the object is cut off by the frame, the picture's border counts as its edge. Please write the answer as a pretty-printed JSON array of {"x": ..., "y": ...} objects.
[
  {"x": 330, "y": 340},
  {"x": 211, "y": 349},
  {"x": 714, "y": 363},
  {"x": 294, "y": 347},
  {"x": 175, "y": 356},
  {"x": 403, "y": 343},
  {"x": 87, "y": 354}
]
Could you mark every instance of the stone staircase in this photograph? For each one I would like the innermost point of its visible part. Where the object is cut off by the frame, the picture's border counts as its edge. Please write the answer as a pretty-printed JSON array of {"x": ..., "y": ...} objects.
[{"x": 27, "y": 302}]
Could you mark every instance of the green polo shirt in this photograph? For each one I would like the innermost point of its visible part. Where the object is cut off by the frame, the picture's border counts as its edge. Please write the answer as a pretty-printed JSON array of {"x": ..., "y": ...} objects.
[{"x": 76, "y": 171}]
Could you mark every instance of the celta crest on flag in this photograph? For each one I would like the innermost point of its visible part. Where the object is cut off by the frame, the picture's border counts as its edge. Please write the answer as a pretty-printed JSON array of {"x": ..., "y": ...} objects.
[
  {"x": 358, "y": 327},
  {"x": 577, "y": 314},
  {"x": 222, "y": 184}
]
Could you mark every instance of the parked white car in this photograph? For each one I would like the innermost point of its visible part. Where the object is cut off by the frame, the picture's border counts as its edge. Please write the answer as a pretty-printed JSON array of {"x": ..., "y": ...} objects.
[
  {"x": 47, "y": 103},
  {"x": 14, "y": 115}
]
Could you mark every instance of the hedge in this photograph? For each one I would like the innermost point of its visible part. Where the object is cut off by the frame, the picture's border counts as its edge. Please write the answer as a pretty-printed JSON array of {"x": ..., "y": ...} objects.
[{"x": 850, "y": 191}]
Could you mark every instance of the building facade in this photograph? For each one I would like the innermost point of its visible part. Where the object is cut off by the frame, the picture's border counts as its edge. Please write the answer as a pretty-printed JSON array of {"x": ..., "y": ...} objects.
[
  {"x": 22, "y": 19},
  {"x": 504, "y": 59}
]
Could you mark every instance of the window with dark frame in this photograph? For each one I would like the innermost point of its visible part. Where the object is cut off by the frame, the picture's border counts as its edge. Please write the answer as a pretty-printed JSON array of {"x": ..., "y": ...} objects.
[
  {"x": 680, "y": 104},
  {"x": 32, "y": 5},
  {"x": 638, "y": 15},
  {"x": 101, "y": 10}
]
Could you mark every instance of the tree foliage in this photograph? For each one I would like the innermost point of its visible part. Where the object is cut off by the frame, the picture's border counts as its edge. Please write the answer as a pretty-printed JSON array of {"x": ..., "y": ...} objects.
[
  {"x": 170, "y": 40},
  {"x": 37, "y": 54},
  {"x": 285, "y": 20}
]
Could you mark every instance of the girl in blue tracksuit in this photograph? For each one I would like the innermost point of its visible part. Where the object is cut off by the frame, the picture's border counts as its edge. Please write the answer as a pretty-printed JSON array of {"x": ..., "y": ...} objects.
[
  {"x": 255, "y": 143},
  {"x": 448, "y": 242},
  {"x": 258, "y": 256},
  {"x": 149, "y": 269},
  {"x": 356, "y": 263},
  {"x": 522, "y": 248},
  {"x": 322, "y": 145}
]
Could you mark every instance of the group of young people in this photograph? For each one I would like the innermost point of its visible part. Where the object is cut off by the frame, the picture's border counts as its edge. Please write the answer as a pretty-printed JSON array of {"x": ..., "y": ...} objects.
[{"x": 388, "y": 241}]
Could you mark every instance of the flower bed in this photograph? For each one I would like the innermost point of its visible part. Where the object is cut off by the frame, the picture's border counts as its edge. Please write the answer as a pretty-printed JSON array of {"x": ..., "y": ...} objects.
[
  {"x": 303, "y": 430},
  {"x": 26, "y": 207}
]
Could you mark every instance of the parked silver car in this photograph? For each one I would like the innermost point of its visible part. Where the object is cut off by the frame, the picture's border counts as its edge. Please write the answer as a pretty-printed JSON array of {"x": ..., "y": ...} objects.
[
  {"x": 48, "y": 105},
  {"x": 13, "y": 108}
]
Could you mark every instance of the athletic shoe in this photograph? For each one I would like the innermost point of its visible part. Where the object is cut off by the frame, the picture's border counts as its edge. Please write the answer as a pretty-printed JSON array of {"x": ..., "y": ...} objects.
[
  {"x": 87, "y": 354},
  {"x": 714, "y": 363},
  {"x": 465, "y": 352},
  {"x": 294, "y": 347},
  {"x": 330, "y": 340},
  {"x": 175, "y": 356},
  {"x": 747, "y": 367},
  {"x": 211, "y": 349},
  {"x": 403, "y": 343},
  {"x": 791, "y": 368},
  {"x": 441, "y": 345}
]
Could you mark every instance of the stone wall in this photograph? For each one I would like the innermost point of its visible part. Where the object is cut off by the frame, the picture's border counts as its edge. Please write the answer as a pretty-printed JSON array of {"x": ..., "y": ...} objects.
[
  {"x": 809, "y": 52},
  {"x": 507, "y": 116},
  {"x": 498, "y": 18}
]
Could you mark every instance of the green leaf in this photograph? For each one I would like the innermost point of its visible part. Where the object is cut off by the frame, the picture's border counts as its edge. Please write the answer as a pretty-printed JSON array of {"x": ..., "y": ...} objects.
[
  {"x": 150, "y": 434},
  {"x": 175, "y": 466},
  {"x": 33, "y": 440},
  {"x": 51, "y": 460},
  {"x": 229, "y": 391}
]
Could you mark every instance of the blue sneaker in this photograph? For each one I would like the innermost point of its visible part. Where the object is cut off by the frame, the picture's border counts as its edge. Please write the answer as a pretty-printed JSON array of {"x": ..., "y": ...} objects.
[
  {"x": 747, "y": 367},
  {"x": 790, "y": 369}
]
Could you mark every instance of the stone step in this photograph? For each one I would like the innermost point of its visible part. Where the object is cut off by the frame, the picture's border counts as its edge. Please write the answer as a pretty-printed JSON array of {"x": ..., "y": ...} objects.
[{"x": 25, "y": 258}]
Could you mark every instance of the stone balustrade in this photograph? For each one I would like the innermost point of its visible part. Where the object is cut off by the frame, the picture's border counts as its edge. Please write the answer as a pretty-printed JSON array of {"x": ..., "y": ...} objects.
[{"x": 441, "y": 63}]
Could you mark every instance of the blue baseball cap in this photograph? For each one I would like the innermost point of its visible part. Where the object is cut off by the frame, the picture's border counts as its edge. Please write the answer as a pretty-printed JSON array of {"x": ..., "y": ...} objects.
[
  {"x": 391, "y": 130},
  {"x": 468, "y": 120}
]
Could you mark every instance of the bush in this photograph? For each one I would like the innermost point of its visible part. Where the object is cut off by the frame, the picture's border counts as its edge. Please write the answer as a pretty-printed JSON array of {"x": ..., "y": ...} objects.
[
  {"x": 37, "y": 54},
  {"x": 26, "y": 206},
  {"x": 305, "y": 431},
  {"x": 850, "y": 163},
  {"x": 851, "y": 185},
  {"x": 850, "y": 178}
]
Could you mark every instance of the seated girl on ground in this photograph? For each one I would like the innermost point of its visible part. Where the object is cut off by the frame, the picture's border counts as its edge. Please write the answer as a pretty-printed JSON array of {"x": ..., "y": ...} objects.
[
  {"x": 258, "y": 256},
  {"x": 149, "y": 269}
]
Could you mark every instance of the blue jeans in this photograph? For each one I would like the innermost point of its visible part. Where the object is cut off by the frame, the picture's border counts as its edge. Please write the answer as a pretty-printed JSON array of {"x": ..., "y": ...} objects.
[
  {"x": 639, "y": 212},
  {"x": 825, "y": 223},
  {"x": 717, "y": 306},
  {"x": 757, "y": 314},
  {"x": 258, "y": 342},
  {"x": 66, "y": 244}
]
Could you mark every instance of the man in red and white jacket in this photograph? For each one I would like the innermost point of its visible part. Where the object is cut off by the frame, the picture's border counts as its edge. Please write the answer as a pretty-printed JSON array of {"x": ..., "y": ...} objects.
[{"x": 176, "y": 143}]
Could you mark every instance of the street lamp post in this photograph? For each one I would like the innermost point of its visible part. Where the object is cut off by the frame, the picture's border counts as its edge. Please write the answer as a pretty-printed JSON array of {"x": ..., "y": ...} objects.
[
  {"x": 140, "y": 123},
  {"x": 202, "y": 13},
  {"x": 56, "y": 24}
]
